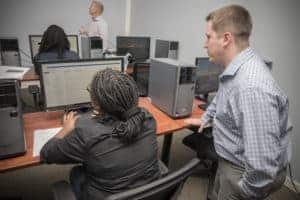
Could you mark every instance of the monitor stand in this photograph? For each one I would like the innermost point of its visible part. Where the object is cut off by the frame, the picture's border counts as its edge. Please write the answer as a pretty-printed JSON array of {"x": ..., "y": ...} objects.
[
  {"x": 202, "y": 97},
  {"x": 80, "y": 108}
]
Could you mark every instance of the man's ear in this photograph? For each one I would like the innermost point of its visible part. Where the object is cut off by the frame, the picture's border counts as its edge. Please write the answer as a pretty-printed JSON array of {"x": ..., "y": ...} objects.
[{"x": 227, "y": 39}]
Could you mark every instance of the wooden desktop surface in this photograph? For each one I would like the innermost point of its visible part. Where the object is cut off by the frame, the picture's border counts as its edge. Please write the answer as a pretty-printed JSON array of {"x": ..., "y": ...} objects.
[
  {"x": 30, "y": 75},
  {"x": 44, "y": 120}
]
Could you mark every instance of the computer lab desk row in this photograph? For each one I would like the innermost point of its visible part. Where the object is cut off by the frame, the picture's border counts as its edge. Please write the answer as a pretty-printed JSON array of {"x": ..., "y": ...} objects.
[{"x": 45, "y": 120}]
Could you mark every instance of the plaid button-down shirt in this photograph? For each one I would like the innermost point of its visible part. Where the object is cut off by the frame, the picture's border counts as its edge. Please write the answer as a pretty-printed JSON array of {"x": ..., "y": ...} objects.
[{"x": 250, "y": 122}]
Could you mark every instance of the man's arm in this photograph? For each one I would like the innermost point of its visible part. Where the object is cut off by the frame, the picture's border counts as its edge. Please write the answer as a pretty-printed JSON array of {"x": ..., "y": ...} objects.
[
  {"x": 260, "y": 127},
  {"x": 206, "y": 118},
  {"x": 103, "y": 32},
  {"x": 210, "y": 111}
]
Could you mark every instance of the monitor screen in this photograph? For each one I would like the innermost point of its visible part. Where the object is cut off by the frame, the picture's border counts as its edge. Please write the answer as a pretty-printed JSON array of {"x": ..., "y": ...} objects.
[
  {"x": 65, "y": 83},
  {"x": 138, "y": 47},
  {"x": 207, "y": 76},
  {"x": 141, "y": 76},
  {"x": 35, "y": 40}
]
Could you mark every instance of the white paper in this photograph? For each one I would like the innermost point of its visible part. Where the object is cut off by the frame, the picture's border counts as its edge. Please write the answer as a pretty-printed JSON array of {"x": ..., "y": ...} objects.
[
  {"x": 40, "y": 137},
  {"x": 12, "y": 72}
]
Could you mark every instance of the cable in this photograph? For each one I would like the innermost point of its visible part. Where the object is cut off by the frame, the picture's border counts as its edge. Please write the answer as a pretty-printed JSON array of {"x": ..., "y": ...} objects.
[{"x": 292, "y": 179}]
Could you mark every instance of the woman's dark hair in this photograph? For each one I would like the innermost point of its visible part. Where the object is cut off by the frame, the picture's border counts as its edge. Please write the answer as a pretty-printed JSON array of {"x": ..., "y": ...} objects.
[
  {"x": 116, "y": 94},
  {"x": 54, "y": 39}
]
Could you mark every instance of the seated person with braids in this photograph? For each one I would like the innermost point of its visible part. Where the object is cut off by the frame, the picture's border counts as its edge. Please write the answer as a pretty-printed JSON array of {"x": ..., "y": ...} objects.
[
  {"x": 55, "y": 46},
  {"x": 116, "y": 145}
]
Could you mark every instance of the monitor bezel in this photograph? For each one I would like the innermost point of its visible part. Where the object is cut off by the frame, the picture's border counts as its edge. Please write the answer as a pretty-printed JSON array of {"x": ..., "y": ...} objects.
[
  {"x": 37, "y": 35},
  {"x": 63, "y": 107},
  {"x": 136, "y": 37}
]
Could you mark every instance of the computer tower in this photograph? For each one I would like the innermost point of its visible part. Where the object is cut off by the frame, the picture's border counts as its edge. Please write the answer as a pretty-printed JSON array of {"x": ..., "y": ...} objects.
[
  {"x": 171, "y": 86},
  {"x": 166, "y": 49},
  {"x": 9, "y": 50},
  {"x": 91, "y": 47},
  {"x": 173, "y": 50},
  {"x": 12, "y": 141}
]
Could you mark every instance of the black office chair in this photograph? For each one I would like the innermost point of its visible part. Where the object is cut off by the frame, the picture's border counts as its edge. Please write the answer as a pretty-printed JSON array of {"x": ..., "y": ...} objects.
[
  {"x": 166, "y": 188},
  {"x": 202, "y": 144}
]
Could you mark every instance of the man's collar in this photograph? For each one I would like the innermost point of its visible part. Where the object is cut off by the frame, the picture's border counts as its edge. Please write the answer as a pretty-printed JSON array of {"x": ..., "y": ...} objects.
[
  {"x": 237, "y": 62},
  {"x": 96, "y": 18}
]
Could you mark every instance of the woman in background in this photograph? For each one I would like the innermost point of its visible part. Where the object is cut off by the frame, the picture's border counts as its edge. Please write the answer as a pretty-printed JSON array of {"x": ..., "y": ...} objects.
[{"x": 55, "y": 46}]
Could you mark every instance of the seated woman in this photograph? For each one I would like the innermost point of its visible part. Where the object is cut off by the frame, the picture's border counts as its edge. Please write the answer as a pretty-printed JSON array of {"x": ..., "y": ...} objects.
[
  {"x": 55, "y": 46},
  {"x": 116, "y": 144}
]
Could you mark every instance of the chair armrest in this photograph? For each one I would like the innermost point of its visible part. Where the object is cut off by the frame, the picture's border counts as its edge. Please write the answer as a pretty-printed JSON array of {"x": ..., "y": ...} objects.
[{"x": 62, "y": 191}]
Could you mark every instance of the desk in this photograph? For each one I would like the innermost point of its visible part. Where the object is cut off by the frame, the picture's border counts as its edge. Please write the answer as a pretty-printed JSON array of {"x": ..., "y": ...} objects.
[
  {"x": 30, "y": 75},
  {"x": 43, "y": 120}
]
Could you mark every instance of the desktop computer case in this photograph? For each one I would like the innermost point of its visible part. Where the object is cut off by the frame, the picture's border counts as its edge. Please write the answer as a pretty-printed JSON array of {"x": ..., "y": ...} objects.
[
  {"x": 12, "y": 141},
  {"x": 173, "y": 50},
  {"x": 87, "y": 51},
  {"x": 171, "y": 86},
  {"x": 9, "y": 50}
]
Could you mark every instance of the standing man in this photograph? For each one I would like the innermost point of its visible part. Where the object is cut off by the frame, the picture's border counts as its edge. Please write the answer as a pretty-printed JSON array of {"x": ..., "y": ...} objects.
[
  {"x": 98, "y": 26},
  {"x": 249, "y": 113}
]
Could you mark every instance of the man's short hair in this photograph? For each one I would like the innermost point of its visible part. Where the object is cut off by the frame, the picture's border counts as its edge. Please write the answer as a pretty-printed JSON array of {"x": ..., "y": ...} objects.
[
  {"x": 99, "y": 4},
  {"x": 233, "y": 18}
]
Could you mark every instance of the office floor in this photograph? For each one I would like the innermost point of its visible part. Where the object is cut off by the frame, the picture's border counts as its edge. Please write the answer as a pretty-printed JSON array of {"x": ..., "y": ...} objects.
[{"x": 34, "y": 183}]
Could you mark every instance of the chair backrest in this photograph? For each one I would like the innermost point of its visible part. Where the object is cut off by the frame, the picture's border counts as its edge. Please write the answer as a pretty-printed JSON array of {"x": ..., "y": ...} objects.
[{"x": 162, "y": 189}]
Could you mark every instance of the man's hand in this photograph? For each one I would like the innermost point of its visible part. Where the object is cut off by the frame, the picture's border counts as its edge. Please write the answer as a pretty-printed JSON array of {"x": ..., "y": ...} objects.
[
  {"x": 196, "y": 122},
  {"x": 83, "y": 31}
]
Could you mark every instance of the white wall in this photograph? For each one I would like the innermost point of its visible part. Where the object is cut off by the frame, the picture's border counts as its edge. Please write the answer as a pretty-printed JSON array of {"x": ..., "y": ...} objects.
[
  {"x": 21, "y": 18},
  {"x": 275, "y": 36}
]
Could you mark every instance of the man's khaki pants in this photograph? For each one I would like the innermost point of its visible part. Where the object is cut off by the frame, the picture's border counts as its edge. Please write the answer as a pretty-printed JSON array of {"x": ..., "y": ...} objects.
[{"x": 227, "y": 178}]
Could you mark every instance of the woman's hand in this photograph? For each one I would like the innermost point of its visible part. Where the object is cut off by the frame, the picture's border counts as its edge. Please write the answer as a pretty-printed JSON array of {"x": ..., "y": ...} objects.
[{"x": 69, "y": 120}]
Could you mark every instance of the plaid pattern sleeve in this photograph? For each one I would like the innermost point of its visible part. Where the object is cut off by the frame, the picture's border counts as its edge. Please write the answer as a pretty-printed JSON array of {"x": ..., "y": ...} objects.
[
  {"x": 210, "y": 111},
  {"x": 250, "y": 122},
  {"x": 259, "y": 115}
]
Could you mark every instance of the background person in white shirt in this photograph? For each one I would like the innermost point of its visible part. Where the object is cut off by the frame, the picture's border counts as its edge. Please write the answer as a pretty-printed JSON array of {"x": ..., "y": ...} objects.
[{"x": 98, "y": 26}]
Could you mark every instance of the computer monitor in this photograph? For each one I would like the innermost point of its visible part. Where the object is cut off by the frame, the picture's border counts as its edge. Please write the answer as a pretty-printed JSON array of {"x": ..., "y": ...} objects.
[
  {"x": 141, "y": 76},
  {"x": 35, "y": 40},
  {"x": 207, "y": 76},
  {"x": 64, "y": 83},
  {"x": 138, "y": 47}
]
